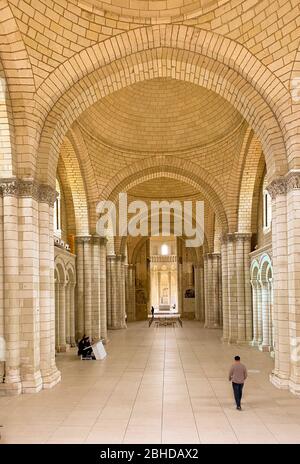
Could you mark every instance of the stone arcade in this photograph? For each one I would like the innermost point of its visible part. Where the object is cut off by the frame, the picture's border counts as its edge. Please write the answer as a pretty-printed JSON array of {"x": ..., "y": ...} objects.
[{"x": 161, "y": 100}]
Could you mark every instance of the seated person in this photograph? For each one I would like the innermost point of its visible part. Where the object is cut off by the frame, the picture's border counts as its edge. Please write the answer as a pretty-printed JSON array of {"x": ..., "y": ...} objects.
[{"x": 84, "y": 347}]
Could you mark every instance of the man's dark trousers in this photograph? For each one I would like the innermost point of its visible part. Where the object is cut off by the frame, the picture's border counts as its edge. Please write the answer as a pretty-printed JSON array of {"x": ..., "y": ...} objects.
[{"x": 238, "y": 392}]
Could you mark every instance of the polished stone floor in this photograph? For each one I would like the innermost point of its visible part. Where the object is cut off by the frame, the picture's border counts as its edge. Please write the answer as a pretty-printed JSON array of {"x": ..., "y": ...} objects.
[{"x": 157, "y": 385}]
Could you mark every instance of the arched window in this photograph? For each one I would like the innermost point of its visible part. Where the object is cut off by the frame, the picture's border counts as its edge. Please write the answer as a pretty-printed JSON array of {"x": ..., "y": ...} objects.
[
  {"x": 164, "y": 249},
  {"x": 57, "y": 213},
  {"x": 267, "y": 211}
]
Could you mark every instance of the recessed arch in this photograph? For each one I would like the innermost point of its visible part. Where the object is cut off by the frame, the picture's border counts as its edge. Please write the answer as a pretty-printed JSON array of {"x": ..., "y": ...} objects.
[{"x": 164, "y": 166}]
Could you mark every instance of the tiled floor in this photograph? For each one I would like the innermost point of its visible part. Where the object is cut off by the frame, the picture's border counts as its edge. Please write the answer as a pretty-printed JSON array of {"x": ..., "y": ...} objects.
[{"x": 157, "y": 385}]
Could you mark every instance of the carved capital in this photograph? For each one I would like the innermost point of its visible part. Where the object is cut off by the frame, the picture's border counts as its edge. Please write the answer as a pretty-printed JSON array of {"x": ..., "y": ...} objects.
[
  {"x": 293, "y": 181},
  {"x": 27, "y": 188},
  {"x": 277, "y": 187},
  {"x": 47, "y": 194},
  {"x": 236, "y": 237},
  {"x": 83, "y": 238},
  {"x": 9, "y": 187},
  {"x": 244, "y": 237}
]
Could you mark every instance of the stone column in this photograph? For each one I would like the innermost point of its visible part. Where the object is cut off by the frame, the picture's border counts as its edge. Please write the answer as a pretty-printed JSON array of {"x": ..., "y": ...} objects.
[
  {"x": 217, "y": 301},
  {"x": 72, "y": 314},
  {"x": 116, "y": 291},
  {"x": 95, "y": 286},
  {"x": 281, "y": 273},
  {"x": 130, "y": 291},
  {"x": 28, "y": 305},
  {"x": 224, "y": 263},
  {"x": 237, "y": 319},
  {"x": 244, "y": 309},
  {"x": 254, "y": 285},
  {"x": 50, "y": 374},
  {"x": 79, "y": 319},
  {"x": 259, "y": 314},
  {"x": 232, "y": 290},
  {"x": 179, "y": 275},
  {"x": 271, "y": 314},
  {"x": 170, "y": 289},
  {"x": 265, "y": 343},
  {"x": 158, "y": 286},
  {"x": 57, "y": 315},
  {"x": 212, "y": 294},
  {"x": 111, "y": 291},
  {"x": 62, "y": 346},
  {"x": 199, "y": 293},
  {"x": 68, "y": 311},
  {"x": 87, "y": 266},
  {"x": 91, "y": 286},
  {"x": 293, "y": 236},
  {"x": 12, "y": 290},
  {"x": 122, "y": 291},
  {"x": 2, "y": 339},
  {"x": 103, "y": 295}
]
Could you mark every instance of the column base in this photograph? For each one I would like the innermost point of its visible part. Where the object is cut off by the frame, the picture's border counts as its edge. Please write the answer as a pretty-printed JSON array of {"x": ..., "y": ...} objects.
[
  {"x": 10, "y": 389},
  {"x": 118, "y": 327},
  {"x": 51, "y": 378},
  {"x": 294, "y": 387},
  {"x": 255, "y": 343},
  {"x": 63, "y": 348},
  {"x": 32, "y": 383},
  {"x": 278, "y": 382},
  {"x": 212, "y": 326},
  {"x": 244, "y": 342},
  {"x": 264, "y": 348}
]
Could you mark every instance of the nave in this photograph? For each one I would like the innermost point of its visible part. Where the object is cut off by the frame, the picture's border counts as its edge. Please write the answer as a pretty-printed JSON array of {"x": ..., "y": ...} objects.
[{"x": 159, "y": 385}]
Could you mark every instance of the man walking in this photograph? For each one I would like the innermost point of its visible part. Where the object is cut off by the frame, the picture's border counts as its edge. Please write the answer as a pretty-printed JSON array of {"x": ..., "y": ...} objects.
[{"x": 238, "y": 375}]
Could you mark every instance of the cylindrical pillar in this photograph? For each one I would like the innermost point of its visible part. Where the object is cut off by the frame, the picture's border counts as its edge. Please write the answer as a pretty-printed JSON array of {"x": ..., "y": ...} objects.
[
  {"x": 224, "y": 261},
  {"x": 103, "y": 296},
  {"x": 72, "y": 314},
  {"x": 87, "y": 266},
  {"x": 80, "y": 287},
  {"x": 62, "y": 318},
  {"x": 11, "y": 300}
]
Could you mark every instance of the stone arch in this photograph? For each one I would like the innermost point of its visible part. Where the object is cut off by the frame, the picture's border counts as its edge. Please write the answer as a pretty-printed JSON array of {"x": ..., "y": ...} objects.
[
  {"x": 164, "y": 166},
  {"x": 175, "y": 51},
  {"x": 265, "y": 268},
  {"x": 254, "y": 271},
  {"x": 71, "y": 273},
  {"x": 60, "y": 270}
]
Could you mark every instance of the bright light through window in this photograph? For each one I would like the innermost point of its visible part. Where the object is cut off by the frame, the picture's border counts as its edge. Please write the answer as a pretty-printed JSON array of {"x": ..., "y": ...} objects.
[
  {"x": 164, "y": 249},
  {"x": 267, "y": 210},
  {"x": 57, "y": 226}
]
